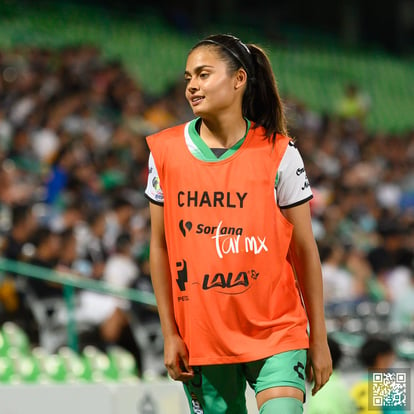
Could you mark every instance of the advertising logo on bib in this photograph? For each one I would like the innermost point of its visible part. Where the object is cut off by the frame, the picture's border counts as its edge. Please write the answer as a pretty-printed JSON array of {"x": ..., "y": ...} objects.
[
  {"x": 231, "y": 283},
  {"x": 227, "y": 239},
  {"x": 187, "y": 226},
  {"x": 182, "y": 279},
  {"x": 228, "y": 244}
]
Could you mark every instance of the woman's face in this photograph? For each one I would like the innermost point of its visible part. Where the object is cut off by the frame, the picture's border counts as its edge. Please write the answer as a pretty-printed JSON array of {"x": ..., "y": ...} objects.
[{"x": 210, "y": 88}]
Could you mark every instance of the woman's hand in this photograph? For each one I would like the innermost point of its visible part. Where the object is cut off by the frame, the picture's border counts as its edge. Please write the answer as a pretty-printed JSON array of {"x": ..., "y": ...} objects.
[
  {"x": 176, "y": 359},
  {"x": 319, "y": 365}
]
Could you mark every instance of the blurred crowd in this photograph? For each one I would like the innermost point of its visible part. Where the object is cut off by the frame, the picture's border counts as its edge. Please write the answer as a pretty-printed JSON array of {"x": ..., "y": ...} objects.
[
  {"x": 73, "y": 169},
  {"x": 363, "y": 213}
]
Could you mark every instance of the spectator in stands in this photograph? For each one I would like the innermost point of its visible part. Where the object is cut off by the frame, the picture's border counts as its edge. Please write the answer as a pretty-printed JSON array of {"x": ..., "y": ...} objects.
[
  {"x": 133, "y": 108},
  {"x": 21, "y": 152},
  {"x": 47, "y": 251},
  {"x": 108, "y": 315},
  {"x": 23, "y": 225},
  {"x": 391, "y": 253},
  {"x": 68, "y": 251},
  {"x": 118, "y": 220},
  {"x": 67, "y": 216},
  {"x": 160, "y": 114},
  {"x": 353, "y": 105},
  {"x": 370, "y": 287},
  {"x": 17, "y": 185},
  {"x": 60, "y": 174},
  {"x": 334, "y": 397},
  {"x": 391, "y": 261},
  {"x": 92, "y": 251},
  {"x": 402, "y": 310},
  {"x": 121, "y": 270},
  {"x": 12, "y": 292},
  {"x": 376, "y": 355},
  {"x": 145, "y": 313},
  {"x": 339, "y": 284}
]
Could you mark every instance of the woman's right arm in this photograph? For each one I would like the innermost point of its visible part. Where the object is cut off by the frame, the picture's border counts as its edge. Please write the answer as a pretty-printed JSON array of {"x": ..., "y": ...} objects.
[{"x": 175, "y": 352}]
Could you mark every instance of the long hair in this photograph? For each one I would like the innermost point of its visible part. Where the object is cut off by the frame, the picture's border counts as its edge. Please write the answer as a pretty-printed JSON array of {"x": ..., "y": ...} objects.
[{"x": 261, "y": 101}]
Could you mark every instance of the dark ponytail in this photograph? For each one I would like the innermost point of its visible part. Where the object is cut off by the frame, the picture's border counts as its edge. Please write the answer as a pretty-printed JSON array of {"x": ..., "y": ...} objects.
[{"x": 261, "y": 101}]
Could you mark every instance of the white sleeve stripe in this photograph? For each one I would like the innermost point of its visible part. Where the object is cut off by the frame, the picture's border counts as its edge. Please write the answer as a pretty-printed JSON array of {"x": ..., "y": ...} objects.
[
  {"x": 298, "y": 203},
  {"x": 151, "y": 200}
]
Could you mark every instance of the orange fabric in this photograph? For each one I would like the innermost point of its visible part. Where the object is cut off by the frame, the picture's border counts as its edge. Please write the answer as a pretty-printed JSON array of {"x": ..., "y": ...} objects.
[{"x": 235, "y": 296}]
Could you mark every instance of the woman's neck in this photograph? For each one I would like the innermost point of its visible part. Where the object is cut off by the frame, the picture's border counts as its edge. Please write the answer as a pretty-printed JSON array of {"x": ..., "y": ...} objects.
[{"x": 223, "y": 134}]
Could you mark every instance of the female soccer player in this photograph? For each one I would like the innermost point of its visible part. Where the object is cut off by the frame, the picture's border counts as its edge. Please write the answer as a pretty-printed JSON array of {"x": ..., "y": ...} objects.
[{"x": 234, "y": 263}]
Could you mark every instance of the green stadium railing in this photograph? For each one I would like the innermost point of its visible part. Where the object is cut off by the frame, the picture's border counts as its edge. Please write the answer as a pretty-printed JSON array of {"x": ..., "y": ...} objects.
[{"x": 71, "y": 281}]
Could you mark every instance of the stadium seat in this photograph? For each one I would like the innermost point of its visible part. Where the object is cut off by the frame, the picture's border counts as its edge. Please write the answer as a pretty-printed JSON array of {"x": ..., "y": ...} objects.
[
  {"x": 6, "y": 370},
  {"x": 76, "y": 367},
  {"x": 123, "y": 362},
  {"x": 13, "y": 337},
  {"x": 101, "y": 366}
]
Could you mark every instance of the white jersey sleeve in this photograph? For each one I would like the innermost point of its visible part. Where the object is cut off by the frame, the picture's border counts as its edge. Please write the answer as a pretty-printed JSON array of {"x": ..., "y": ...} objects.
[
  {"x": 153, "y": 190},
  {"x": 292, "y": 184}
]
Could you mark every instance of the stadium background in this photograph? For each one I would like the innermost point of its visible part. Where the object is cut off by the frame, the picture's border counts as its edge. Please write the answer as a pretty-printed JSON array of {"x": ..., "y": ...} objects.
[{"x": 317, "y": 49}]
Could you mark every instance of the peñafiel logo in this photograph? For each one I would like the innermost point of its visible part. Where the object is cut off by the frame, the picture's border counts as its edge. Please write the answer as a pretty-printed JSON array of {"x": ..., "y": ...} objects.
[
  {"x": 231, "y": 283},
  {"x": 182, "y": 275},
  {"x": 182, "y": 279}
]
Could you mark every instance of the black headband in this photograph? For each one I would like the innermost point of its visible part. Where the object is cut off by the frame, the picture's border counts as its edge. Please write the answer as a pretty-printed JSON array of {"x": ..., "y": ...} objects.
[{"x": 246, "y": 62}]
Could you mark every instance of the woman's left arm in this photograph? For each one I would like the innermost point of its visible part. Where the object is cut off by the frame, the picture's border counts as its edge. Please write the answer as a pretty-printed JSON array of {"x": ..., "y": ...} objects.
[{"x": 305, "y": 259}]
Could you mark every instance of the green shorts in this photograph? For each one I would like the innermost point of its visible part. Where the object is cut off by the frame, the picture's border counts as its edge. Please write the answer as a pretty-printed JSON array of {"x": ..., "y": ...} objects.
[{"x": 220, "y": 389}]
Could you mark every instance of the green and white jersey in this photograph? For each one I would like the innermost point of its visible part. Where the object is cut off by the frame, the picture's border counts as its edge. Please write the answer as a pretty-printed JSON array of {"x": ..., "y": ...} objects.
[{"x": 291, "y": 187}]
